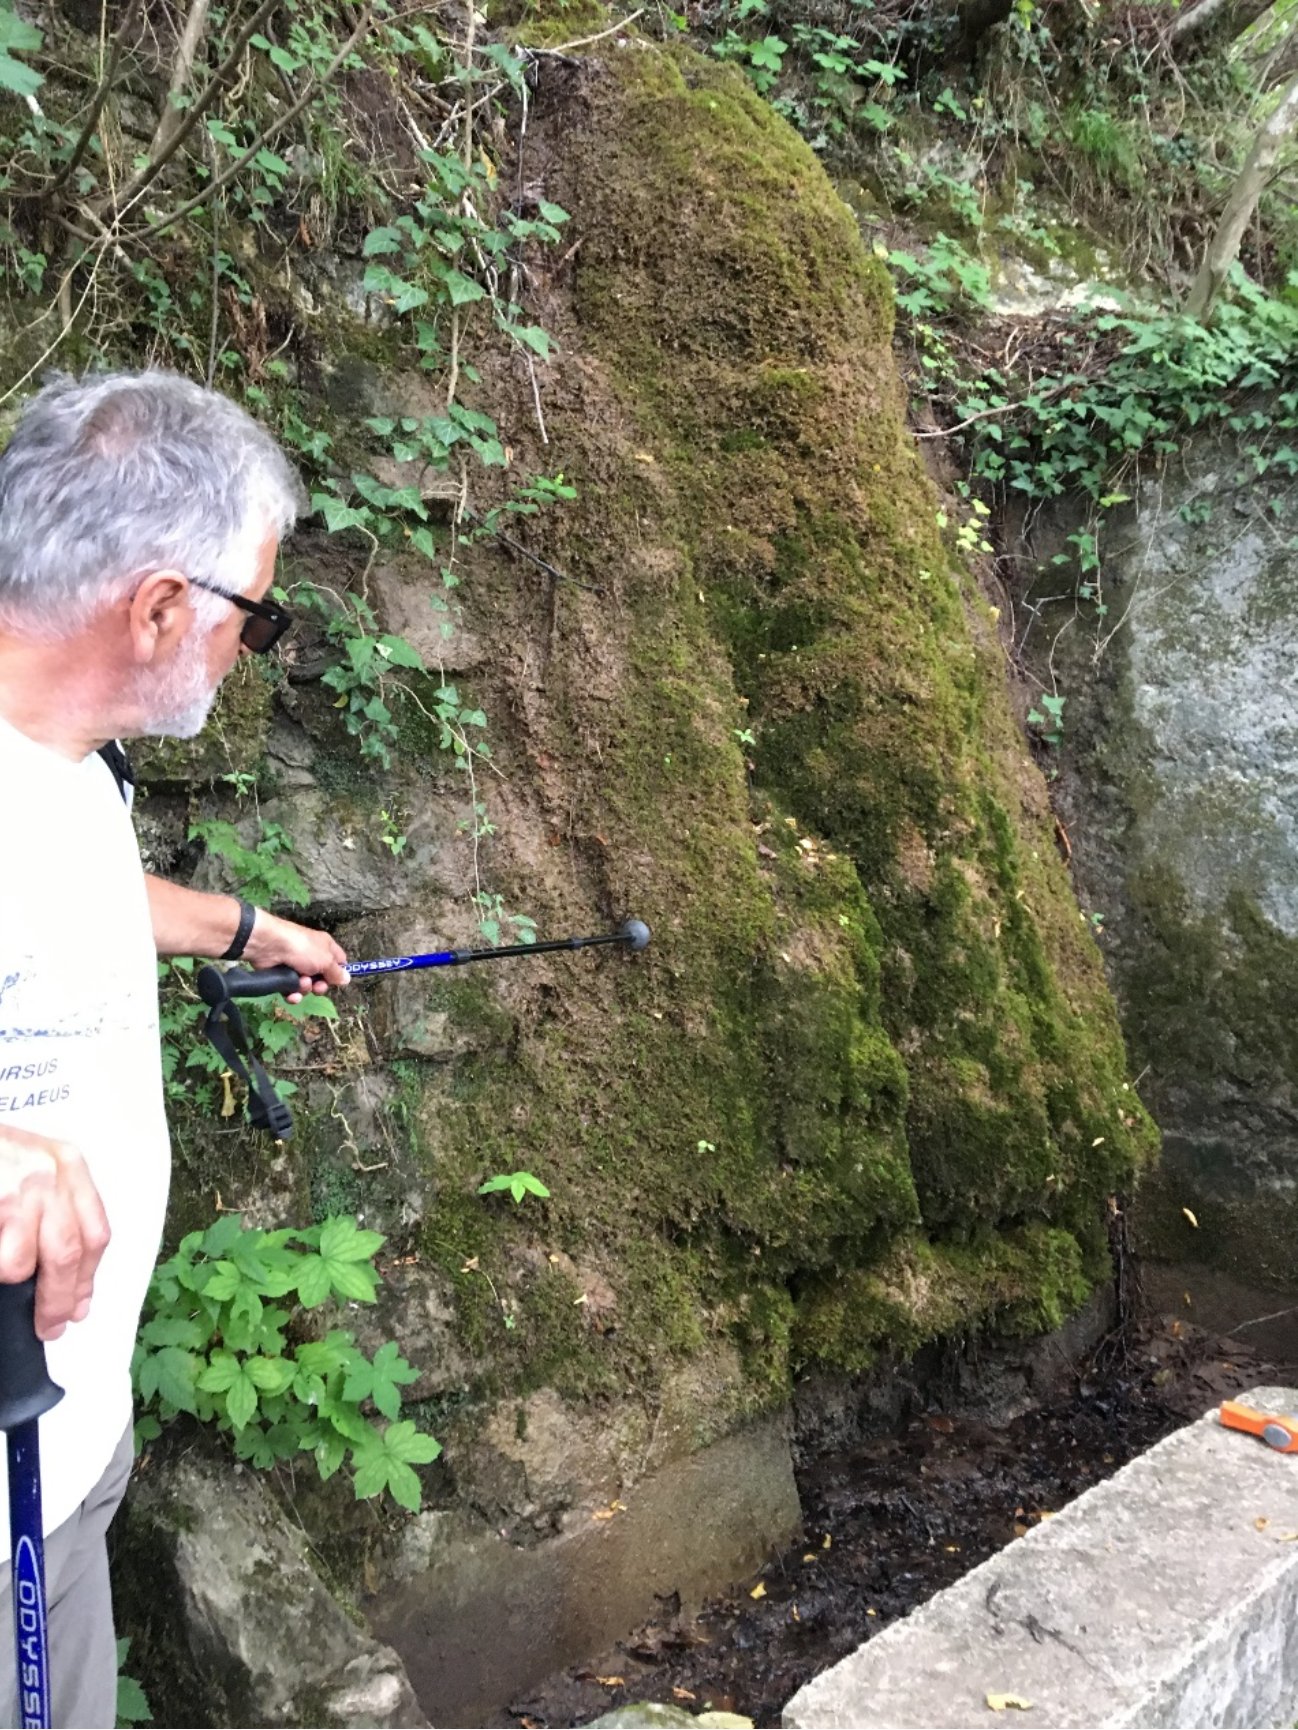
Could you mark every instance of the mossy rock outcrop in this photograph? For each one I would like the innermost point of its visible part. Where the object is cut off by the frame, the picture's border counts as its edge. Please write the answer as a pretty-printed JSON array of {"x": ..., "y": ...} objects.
[{"x": 871, "y": 1038}]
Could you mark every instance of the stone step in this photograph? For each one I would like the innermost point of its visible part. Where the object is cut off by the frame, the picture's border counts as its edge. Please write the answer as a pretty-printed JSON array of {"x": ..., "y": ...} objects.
[{"x": 1167, "y": 1595}]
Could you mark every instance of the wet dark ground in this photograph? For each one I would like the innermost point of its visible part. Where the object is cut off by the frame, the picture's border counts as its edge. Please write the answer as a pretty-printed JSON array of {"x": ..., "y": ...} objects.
[{"x": 894, "y": 1521}]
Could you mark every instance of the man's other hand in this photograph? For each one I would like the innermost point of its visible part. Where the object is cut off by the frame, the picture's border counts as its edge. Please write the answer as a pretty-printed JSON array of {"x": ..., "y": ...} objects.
[
  {"x": 276, "y": 942},
  {"x": 52, "y": 1224}
]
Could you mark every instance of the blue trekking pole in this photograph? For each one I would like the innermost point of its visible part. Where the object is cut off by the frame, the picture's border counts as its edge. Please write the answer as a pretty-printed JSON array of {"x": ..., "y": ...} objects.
[
  {"x": 215, "y": 987},
  {"x": 224, "y": 1025},
  {"x": 25, "y": 1392}
]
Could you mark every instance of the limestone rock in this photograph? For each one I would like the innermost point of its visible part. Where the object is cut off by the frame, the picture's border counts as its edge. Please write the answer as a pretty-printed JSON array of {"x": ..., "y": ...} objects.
[
  {"x": 213, "y": 1559},
  {"x": 1180, "y": 793}
]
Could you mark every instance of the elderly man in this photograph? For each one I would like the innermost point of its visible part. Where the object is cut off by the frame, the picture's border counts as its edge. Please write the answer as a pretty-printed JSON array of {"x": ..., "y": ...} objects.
[{"x": 139, "y": 521}]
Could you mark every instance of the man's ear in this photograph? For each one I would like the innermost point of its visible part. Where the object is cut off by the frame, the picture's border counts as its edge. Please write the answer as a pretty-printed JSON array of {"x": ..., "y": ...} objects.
[{"x": 160, "y": 616}]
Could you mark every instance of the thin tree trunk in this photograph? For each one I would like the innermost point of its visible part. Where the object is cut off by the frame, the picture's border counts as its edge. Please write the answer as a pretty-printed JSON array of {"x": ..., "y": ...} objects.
[
  {"x": 1223, "y": 248},
  {"x": 172, "y": 113},
  {"x": 1280, "y": 63},
  {"x": 1214, "y": 18}
]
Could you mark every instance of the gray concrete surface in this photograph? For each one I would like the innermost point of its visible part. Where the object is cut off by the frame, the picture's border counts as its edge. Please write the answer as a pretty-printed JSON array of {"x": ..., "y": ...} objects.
[{"x": 1166, "y": 1596}]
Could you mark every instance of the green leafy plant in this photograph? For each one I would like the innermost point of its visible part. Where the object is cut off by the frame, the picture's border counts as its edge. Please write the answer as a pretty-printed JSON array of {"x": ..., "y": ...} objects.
[
  {"x": 263, "y": 872},
  {"x": 132, "y": 1704},
  {"x": 193, "y": 1071},
  {"x": 1050, "y": 725},
  {"x": 516, "y": 1183},
  {"x": 947, "y": 276},
  {"x": 219, "y": 1342},
  {"x": 18, "y": 37}
]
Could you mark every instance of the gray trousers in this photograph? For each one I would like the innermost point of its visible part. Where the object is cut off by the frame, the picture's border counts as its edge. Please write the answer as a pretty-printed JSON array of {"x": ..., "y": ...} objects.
[{"x": 82, "y": 1644}]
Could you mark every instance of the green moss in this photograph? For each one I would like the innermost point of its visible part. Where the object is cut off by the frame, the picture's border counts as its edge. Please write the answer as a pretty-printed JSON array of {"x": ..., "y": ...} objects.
[{"x": 1021, "y": 1282}]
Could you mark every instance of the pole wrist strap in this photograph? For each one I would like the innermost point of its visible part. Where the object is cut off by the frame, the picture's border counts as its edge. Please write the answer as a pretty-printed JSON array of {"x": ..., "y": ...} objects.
[
  {"x": 239, "y": 942},
  {"x": 266, "y": 1110}
]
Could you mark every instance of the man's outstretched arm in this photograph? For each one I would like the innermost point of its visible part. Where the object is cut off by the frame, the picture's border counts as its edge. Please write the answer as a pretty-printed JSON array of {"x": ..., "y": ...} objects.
[{"x": 191, "y": 922}]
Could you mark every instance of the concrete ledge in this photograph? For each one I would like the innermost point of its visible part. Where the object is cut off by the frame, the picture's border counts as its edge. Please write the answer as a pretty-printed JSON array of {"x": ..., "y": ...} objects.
[{"x": 1166, "y": 1596}]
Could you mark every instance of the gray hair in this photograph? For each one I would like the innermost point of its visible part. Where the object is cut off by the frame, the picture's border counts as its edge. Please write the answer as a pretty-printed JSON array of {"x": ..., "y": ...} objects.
[{"x": 117, "y": 474}]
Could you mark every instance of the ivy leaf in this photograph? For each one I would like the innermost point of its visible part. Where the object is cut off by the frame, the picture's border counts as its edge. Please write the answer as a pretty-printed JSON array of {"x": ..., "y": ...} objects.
[
  {"x": 462, "y": 289},
  {"x": 399, "y": 652},
  {"x": 338, "y": 515},
  {"x": 381, "y": 240},
  {"x": 531, "y": 336}
]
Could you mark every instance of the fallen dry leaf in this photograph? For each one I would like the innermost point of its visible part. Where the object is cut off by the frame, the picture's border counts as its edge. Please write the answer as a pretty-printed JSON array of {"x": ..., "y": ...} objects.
[
  {"x": 758, "y": 1591},
  {"x": 608, "y": 1513},
  {"x": 611, "y": 1681},
  {"x": 1001, "y": 1702},
  {"x": 810, "y": 1556},
  {"x": 1193, "y": 1221},
  {"x": 794, "y": 1613},
  {"x": 1286, "y": 1537},
  {"x": 826, "y": 1541},
  {"x": 872, "y": 1612},
  {"x": 684, "y": 1694}
]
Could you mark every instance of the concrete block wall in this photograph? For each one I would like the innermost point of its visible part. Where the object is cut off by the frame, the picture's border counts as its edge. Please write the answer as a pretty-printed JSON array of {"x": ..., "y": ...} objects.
[{"x": 1166, "y": 1596}]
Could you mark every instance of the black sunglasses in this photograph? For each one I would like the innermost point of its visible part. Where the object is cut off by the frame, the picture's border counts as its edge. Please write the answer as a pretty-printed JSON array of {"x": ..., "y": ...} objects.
[{"x": 266, "y": 623}]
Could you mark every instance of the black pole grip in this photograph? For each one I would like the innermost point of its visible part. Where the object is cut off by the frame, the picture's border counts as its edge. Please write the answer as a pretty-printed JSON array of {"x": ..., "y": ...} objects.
[
  {"x": 214, "y": 987},
  {"x": 25, "y": 1386}
]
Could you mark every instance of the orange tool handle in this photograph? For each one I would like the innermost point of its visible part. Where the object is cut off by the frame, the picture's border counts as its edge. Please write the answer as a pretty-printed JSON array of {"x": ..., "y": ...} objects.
[{"x": 1278, "y": 1433}]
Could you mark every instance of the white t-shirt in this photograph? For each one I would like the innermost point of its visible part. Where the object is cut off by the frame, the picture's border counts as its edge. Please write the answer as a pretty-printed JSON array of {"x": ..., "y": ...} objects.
[{"x": 79, "y": 1060}]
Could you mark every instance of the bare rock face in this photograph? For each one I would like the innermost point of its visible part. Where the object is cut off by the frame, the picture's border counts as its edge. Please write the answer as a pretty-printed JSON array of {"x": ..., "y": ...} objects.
[
  {"x": 1180, "y": 790},
  {"x": 255, "y": 1635}
]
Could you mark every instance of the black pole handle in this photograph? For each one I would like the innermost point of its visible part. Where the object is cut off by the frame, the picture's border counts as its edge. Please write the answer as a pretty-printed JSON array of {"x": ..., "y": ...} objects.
[
  {"x": 214, "y": 987},
  {"x": 25, "y": 1386}
]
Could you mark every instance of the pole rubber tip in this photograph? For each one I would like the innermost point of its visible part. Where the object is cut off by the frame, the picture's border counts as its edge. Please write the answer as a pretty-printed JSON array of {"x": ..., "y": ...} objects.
[{"x": 635, "y": 933}]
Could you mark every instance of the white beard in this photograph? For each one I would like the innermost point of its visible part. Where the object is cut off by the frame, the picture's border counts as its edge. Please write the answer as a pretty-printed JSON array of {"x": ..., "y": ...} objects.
[{"x": 177, "y": 705}]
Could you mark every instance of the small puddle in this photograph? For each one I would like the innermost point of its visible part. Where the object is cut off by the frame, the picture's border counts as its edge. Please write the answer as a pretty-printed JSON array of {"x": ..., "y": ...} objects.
[{"x": 893, "y": 1522}]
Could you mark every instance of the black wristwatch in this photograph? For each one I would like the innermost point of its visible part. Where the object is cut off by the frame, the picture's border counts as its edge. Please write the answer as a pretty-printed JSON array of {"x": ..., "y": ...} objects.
[{"x": 247, "y": 919}]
